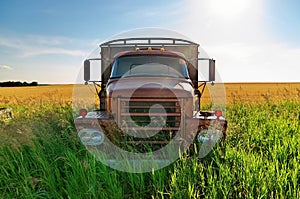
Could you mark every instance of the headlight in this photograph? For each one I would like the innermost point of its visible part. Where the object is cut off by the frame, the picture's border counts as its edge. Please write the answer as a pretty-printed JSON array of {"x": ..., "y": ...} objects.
[
  {"x": 212, "y": 135},
  {"x": 91, "y": 137}
]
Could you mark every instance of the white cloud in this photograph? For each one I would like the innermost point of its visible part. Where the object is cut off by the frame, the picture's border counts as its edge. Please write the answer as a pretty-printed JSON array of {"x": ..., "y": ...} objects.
[
  {"x": 55, "y": 51},
  {"x": 5, "y": 67},
  {"x": 34, "y": 45},
  {"x": 10, "y": 43}
]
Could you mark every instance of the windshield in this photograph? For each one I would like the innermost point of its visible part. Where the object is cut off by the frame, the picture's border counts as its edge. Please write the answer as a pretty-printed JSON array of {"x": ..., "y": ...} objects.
[{"x": 149, "y": 65}]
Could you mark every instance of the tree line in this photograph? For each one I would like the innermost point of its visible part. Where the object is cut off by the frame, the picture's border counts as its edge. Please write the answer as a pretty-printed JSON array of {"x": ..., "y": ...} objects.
[{"x": 17, "y": 84}]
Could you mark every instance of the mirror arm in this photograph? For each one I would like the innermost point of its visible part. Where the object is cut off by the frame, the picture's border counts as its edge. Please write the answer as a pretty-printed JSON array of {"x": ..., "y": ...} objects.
[
  {"x": 94, "y": 59},
  {"x": 203, "y": 85},
  {"x": 95, "y": 86}
]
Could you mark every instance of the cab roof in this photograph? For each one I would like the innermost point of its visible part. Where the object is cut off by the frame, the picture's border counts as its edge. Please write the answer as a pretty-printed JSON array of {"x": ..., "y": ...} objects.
[{"x": 150, "y": 51}]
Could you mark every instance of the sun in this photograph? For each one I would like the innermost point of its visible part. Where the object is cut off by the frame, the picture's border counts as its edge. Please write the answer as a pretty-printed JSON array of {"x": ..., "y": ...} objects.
[{"x": 227, "y": 8}]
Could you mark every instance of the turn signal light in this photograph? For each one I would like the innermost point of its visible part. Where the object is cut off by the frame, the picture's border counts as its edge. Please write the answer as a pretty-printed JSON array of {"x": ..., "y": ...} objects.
[
  {"x": 83, "y": 112},
  {"x": 218, "y": 113}
]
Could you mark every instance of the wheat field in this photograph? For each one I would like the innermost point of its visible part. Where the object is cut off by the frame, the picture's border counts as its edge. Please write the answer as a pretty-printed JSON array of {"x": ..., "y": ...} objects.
[
  {"x": 36, "y": 94},
  {"x": 234, "y": 92}
]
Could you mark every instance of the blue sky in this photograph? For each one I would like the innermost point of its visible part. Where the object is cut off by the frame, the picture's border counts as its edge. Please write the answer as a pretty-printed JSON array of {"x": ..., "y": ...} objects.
[{"x": 252, "y": 40}]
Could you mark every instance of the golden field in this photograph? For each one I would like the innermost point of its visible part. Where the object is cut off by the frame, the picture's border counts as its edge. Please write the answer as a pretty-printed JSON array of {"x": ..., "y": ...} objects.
[
  {"x": 257, "y": 92},
  {"x": 234, "y": 92},
  {"x": 36, "y": 95}
]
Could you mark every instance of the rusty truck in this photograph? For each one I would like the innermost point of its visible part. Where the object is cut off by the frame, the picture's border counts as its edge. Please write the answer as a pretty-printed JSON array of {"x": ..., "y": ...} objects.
[{"x": 149, "y": 95}]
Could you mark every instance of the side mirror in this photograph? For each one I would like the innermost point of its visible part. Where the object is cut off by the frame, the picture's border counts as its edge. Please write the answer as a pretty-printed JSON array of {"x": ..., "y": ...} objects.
[
  {"x": 212, "y": 69},
  {"x": 87, "y": 70}
]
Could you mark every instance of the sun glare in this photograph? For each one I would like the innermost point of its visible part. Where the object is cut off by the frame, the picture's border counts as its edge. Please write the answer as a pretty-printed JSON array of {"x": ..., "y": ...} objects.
[{"x": 227, "y": 9}]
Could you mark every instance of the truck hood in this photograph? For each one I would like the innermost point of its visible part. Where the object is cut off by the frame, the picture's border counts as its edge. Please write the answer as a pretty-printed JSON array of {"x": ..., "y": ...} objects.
[{"x": 150, "y": 87}]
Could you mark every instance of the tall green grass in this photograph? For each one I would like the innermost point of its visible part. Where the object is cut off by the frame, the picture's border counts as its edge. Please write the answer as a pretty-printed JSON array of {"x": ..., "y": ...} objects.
[{"x": 41, "y": 157}]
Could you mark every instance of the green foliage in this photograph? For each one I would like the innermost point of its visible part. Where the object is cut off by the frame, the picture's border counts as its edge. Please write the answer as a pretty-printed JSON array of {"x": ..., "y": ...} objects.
[{"x": 41, "y": 157}]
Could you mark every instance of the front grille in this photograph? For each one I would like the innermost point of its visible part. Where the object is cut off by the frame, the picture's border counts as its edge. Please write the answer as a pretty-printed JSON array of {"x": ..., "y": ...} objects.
[{"x": 148, "y": 124}]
